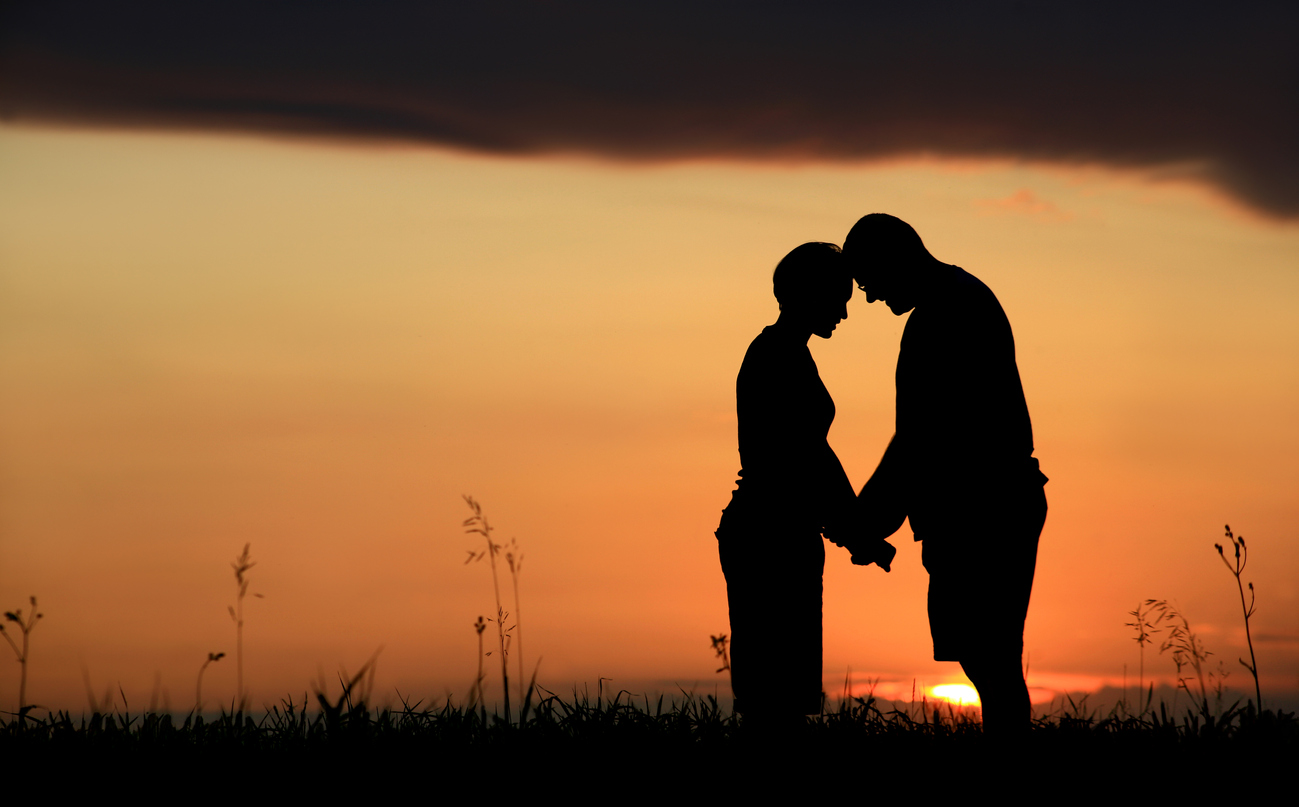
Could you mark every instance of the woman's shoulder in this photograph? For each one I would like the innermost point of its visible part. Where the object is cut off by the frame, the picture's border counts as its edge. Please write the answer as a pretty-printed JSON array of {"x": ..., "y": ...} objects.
[
  {"x": 769, "y": 354},
  {"x": 772, "y": 344},
  {"x": 768, "y": 346}
]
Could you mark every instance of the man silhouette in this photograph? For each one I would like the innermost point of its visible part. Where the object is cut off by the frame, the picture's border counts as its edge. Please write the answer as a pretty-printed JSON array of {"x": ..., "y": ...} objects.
[{"x": 960, "y": 464}]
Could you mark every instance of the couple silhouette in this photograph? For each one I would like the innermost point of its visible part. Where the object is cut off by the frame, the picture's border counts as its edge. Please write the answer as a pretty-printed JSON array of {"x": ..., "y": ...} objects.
[{"x": 959, "y": 466}]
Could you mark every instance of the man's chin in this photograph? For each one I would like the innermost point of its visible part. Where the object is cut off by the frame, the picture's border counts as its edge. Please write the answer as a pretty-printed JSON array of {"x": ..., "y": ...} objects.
[{"x": 899, "y": 309}]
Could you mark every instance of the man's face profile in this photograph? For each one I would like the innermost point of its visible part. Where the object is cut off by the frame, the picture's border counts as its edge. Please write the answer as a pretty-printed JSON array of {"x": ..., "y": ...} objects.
[{"x": 887, "y": 284}]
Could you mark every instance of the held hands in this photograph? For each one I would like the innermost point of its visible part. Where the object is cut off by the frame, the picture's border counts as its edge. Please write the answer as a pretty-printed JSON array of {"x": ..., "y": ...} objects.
[
  {"x": 879, "y": 552},
  {"x": 864, "y": 541},
  {"x": 879, "y": 513}
]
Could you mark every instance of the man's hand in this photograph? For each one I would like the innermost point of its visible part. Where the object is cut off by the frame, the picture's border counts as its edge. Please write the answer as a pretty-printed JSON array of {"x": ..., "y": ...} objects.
[{"x": 878, "y": 552}]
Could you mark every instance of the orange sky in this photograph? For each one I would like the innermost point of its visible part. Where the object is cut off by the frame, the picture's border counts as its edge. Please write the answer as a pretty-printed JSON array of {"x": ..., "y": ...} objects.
[{"x": 211, "y": 340}]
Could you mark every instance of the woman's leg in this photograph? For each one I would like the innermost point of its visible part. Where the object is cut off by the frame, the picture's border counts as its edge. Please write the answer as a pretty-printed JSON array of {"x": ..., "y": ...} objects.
[{"x": 775, "y": 616}]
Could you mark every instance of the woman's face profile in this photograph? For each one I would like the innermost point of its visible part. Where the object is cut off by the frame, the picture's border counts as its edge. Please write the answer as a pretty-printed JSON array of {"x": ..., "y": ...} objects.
[
  {"x": 825, "y": 309},
  {"x": 834, "y": 309}
]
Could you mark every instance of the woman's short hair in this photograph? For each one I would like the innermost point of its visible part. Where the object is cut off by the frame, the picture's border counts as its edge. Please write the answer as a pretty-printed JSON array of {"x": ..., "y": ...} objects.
[{"x": 810, "y": 271}]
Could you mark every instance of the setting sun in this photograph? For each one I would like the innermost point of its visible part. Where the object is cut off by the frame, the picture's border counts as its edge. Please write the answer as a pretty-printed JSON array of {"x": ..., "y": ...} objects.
[{"x": 958, "y": 694}]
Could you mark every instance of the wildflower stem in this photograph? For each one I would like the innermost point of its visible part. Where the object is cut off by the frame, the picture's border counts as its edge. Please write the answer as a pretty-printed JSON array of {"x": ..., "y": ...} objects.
[
  {"x": 26, "y": 627},
  {"x": 241, "y": 566},
  {"x": 1237, "y": 569},
  {"x": 478, "y": 525}
]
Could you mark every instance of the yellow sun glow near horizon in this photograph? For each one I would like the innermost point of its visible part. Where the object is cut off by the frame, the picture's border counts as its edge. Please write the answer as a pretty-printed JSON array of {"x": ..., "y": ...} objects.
[{"x": 956, "y": 694}]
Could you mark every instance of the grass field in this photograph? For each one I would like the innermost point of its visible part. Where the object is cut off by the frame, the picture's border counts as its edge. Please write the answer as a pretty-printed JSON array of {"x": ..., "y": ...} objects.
[{"x": 592, "y": 743}]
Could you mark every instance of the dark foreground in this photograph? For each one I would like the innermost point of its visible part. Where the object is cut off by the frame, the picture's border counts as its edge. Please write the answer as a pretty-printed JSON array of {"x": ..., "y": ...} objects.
[{"x": 631, "y": 748}]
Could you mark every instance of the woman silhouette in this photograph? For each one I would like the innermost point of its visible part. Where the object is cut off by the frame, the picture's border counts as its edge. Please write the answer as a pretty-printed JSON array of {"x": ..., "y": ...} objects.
[{"x": 791, "y": 489}]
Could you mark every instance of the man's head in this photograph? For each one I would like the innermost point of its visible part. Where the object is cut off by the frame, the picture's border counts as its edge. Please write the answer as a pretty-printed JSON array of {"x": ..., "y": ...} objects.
[{"x": 888, "y": 260}]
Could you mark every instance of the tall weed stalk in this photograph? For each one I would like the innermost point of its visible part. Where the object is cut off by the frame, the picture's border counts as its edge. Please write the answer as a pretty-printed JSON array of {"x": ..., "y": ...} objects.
[
  {"x": 198, "y": 686},
  {"x": 1236, "y": 567},
  {"x": 1187, "y": 649},
  {"x": 476, "y": 691},
  {"x": 1146, "y": 629},
  {"x": 241, "y": 565},
  {"x": 477, "y": 525},
  {"x": 25, "y": 626},
  {"x": 514, "y": 558}
]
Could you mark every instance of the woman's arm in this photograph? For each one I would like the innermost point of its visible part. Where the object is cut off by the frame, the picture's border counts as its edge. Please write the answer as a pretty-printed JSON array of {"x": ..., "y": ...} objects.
[{"x": 838, "y": 502}]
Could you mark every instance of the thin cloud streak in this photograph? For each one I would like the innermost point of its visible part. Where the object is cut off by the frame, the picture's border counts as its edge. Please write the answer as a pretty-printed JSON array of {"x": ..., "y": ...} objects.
[
  {"x": 1024, "y": 202},
  {"x": 1206, "y": 93}
]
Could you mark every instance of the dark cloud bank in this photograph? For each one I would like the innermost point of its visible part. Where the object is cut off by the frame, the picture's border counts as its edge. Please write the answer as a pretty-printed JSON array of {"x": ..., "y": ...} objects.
[{"x": 1210, "y": 90}]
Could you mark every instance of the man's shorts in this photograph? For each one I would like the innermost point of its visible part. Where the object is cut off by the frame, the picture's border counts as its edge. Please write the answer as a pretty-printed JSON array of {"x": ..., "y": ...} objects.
[{"x": 981, "y": 577}]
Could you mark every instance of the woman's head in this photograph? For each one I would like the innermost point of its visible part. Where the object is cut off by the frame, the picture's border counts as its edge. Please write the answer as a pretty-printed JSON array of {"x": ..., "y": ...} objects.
[{"x": 813, "y": 285}]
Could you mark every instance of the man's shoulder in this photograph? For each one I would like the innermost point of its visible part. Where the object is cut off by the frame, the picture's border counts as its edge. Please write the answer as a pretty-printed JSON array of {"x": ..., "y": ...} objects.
[
  {"x": 964, "y": 313},
  {"x": 968, "y": 299},
  {"x": 964, "y": 288}
]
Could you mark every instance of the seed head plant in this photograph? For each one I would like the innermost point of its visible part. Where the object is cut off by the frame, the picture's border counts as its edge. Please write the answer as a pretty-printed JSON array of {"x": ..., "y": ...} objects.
[
  {"x": 477, "y": 525},
  {"x": 1146, "y": 630},
  {"x": 25, "y": 626},
  {"x": 1188, "y": 651},
  {"x": 1237, "y": 566},
  {"x": 241, "y": 565},
  {"x": 514, "y": 558},
  {"x": 198, "y": 688},
  {"x": 721, "y": 647},
  {"x": 476, "y": 691}
]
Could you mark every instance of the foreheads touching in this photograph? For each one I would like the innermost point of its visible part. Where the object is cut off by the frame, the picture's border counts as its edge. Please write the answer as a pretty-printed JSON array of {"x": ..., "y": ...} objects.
[{"x": 885, "y": 254}]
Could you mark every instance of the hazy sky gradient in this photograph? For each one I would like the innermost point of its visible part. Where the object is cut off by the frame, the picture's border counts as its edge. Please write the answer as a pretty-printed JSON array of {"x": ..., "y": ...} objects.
[{"x": 207, "y": 340}]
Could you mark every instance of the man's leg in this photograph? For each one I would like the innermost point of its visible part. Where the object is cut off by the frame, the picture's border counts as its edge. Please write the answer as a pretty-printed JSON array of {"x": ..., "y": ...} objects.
[
  {"x": 997, "y": 670},
  {"x": 1007, "y": 711}
]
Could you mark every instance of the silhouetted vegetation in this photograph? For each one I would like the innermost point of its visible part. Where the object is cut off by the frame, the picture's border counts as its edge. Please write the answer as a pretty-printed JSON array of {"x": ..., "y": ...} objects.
[
  {"x": 477, "y": 525},
  {"x": 241, "y": 565},
  {"x": 25, "y": 626},
  {"x": 607, "y": 741},
  {"x": 585, "y": 741},
  {"x": 198, "y": 685},
  {"x": 1237, "y": 567}
]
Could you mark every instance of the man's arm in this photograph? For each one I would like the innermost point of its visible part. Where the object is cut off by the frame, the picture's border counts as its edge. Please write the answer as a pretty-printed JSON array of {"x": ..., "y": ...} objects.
[
  {"x": 879, "y": 511},
  {"x": 882, "y": 503}
]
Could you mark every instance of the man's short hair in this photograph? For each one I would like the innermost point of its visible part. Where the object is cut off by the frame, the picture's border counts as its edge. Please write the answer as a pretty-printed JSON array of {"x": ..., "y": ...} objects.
[
  {"x": 809, "y": 271},
  {"x": 880, "y": 235}
]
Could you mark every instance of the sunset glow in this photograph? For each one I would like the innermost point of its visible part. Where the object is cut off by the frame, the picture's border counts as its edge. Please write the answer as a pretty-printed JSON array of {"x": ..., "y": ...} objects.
[
  {"x": 208, "y": 340},
  {"x": 956, "y": 694}
]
